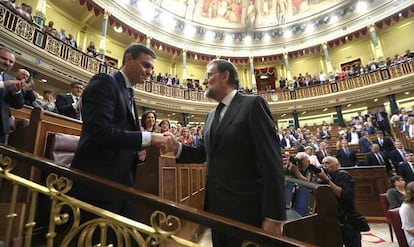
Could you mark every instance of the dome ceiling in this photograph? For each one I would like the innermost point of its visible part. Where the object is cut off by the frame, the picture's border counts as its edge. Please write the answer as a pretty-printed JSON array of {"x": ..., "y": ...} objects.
[{"x": 245, "y": 28}]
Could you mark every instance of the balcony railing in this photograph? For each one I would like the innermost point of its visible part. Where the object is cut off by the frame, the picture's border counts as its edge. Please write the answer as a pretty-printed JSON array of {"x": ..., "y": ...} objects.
[{"x": 14, "y": 23}]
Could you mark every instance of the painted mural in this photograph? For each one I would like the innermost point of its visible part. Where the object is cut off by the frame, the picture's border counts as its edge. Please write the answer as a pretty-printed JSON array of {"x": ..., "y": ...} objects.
[{"x": 248, "y": 14}]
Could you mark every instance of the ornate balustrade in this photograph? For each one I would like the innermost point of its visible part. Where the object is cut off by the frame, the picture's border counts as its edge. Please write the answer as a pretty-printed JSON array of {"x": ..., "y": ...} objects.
[
  {"x": 16, "y": 24},
  {"x": 172, "y": 98},
  {"x": 164, "y": 223}
]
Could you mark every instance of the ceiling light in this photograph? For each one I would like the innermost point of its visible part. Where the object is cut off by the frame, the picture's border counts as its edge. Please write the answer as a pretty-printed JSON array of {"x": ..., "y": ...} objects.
[
  {"x": 248, "y": 39},
  {"x": 284, "y": 114},
  {"x": 228, "y": 38},
  {"x": 288, "y": 34},
  {"x": 400, "y": 14},
  {"x": 43, "y": 80},
  {"x": 310, "y": 27},
  {"x": 376, "y": 99},
  {"x": 325, "y": 109},
  {"x": 406, "y": 92},
  {"x": 266, "y": 38},
  {"x": 189, "y": 31},
  {"x": 167, "y": 21},
  {"x": 334, "y": 19},
  {"x": 118, "y": 29},
  {"x": 303, "y": 112},
  {"x": 209, "y": 36},
  {"x": 361, "y": 6},
  {"x": 349, "y": 105}
]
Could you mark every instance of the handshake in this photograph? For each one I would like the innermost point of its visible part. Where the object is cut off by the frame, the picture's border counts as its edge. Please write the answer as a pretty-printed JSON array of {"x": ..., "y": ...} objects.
[{"x": 165, "y": 141}]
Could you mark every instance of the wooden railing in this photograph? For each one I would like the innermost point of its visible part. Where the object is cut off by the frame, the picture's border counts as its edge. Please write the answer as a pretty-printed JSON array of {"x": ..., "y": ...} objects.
[{"x": 58, "y": 184}]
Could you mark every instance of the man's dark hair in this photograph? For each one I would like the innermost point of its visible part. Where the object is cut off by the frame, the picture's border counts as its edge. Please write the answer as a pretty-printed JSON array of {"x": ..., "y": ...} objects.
[
  {"x": 74, "y": 83},
  {"x": 223, "y": 66},
  {"x": 135, "y": 50}
]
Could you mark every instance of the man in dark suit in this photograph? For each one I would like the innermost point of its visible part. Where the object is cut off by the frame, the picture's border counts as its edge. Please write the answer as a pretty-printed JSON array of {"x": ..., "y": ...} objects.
[
  {"x": 322, "y": 152},
  {"x": 111, "y": 133},
  {"x": 377, "y": 158},
  {"x": 68, "y": 104},
  {"x": 346, "y": 155},
  {"x": 364, "y": 143},
  {"x": 379, "y": 140},
  {"x": 10, "y": 91},
  {"x": 397, "y": 156},
  {"x": 245, "y": 179},
  {"x": 406, "y": 169},
  {"x": 383, "y": 122}
]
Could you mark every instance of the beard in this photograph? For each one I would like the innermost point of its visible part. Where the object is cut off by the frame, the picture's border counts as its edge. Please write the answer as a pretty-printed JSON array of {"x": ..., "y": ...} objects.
[{"x": 209, "y": 93}]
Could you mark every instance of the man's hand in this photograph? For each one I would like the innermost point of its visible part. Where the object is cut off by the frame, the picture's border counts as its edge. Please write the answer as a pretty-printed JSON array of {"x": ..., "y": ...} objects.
[
  {"x": 28, "y": 86},
  {"x": 272, "y": 226},
  {"x": 172, "y": 145},
  {"x": 14, "y": 84},
  {"x": 159, "y": 140}
]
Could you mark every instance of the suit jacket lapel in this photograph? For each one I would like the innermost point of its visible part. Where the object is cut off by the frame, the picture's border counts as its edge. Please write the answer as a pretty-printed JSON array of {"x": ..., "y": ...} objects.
[
  {"x": 206, "y": 133},
  {"x": 228, "y": 117},
  {"x": 121, "y": 82}
]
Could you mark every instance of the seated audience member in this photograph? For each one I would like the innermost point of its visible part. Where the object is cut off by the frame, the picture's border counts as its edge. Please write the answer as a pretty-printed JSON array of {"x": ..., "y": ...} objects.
[
  {"x": 396, "y": 194},
  {"x": 314, "y": 144},
  {"x": 369, "y": 127},
  {"x": 148, "y": 120},
  {"x": 364, "y": 143},
  {"x": 185, "y": 136},
  {"x": 346, "y": 156},
  {"x": 398, "y": 156},
  {"x": 71, "y": 41},
  {"x": 324, "y": 134},
  {"x": 407, "y": 214},
  {"x": 379, "y": 140},
  {"x": 47, "y": 103},
  {"x": 25, "y": 11},
  {"x": 49, "y": 27},
  {"x": 164, "y": 126},
  {"x": 377, "y": 158},
  {"x": 28, "y": 94},
  {"x": 300, "y": 145},
  {"x": 300, "y": 168},
  {"x": 68, "y": 104},
  {"x": 353, "y": 136},
  {"x": 173, "y": 129},
  {"x": 288, "y": 141},
  {"x": 313, "y": 159},
  {"x": 10, "y": 3},
  {"x": 197, "y": 136},
  {"x": 406, "y": 169},
  {"x": 91, "y": 50},
  {"x": 62, "y": 35},
  {"x": 323, "y": 152}
]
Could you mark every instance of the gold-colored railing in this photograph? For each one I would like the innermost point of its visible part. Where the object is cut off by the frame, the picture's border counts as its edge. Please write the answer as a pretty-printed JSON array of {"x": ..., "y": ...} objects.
[{"x": 164, "y": 223}]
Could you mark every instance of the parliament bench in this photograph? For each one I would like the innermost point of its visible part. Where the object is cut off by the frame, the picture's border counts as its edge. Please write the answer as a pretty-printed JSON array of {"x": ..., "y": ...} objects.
[
  {"x": 311, "y": 209},
  {"x": 61, "y": 148}
]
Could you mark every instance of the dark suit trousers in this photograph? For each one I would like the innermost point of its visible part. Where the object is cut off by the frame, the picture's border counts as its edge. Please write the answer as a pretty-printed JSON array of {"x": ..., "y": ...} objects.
[{"x": 221, "y": 239}]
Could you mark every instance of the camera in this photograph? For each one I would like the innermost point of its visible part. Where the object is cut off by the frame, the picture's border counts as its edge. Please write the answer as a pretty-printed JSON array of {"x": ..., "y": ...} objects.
[
  {"x": 313, "y": 169},
  {"x": 295, "y": 161},
  {"x": 29, "y": 79}
]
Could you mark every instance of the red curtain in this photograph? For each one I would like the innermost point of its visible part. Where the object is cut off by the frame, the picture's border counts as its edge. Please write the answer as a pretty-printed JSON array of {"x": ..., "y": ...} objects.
[{"x": 262, "y": 84}]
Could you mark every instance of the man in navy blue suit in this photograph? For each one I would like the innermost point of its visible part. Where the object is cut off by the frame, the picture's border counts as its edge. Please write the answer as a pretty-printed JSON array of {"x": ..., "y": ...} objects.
[
  {"x": 10, "y": 91},
  {"x": 69, "y": 104},
  {"x": 111, "y": 135},
  {"x": 406, "y": 169}
]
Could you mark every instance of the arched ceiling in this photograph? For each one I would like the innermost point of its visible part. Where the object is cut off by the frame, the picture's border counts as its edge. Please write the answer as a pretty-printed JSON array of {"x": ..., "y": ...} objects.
[{"x": 232, "y": 32}]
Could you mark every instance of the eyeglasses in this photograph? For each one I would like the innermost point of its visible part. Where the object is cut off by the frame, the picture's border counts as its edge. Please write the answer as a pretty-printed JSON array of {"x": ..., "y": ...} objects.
[{"x": 209, "y": 75}]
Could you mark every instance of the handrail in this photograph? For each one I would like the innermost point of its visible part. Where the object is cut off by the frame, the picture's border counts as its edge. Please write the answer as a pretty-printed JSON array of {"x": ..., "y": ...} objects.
[{"x": 61, "y": 177}]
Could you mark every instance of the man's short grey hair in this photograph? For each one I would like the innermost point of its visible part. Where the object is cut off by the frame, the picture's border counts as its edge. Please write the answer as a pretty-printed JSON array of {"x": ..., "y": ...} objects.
[{"x": 302, "y": 155}]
